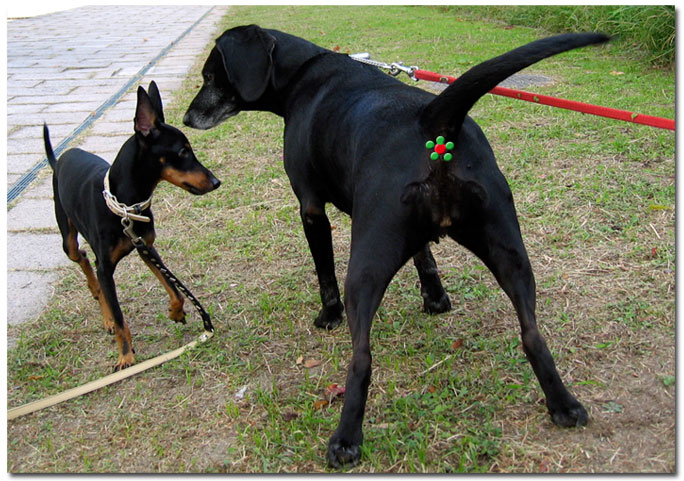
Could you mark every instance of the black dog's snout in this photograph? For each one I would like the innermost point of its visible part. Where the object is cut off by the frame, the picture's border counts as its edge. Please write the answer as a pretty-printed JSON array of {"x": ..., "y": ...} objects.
[{"x": 215, "y": 183}]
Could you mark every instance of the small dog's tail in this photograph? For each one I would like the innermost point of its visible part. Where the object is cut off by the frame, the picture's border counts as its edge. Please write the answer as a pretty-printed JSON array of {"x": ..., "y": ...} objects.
[
  {"x": 52, "y": 160},
  {"x": 445, "y": 114}
]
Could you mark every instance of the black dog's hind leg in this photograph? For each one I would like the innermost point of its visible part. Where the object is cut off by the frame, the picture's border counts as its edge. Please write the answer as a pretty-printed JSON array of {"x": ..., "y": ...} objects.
[
  {"x": 498, "y": 242},
  {"x": 319, "y": 237},
  {"x": 435, "y": 299}
]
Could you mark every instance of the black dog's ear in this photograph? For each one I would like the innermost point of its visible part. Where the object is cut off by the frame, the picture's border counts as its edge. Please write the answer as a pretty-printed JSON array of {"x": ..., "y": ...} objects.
[
  {"x": 155, "y": 97},
  {"x": 145, "y": 114},
  {"x": 247, "y": 58}
]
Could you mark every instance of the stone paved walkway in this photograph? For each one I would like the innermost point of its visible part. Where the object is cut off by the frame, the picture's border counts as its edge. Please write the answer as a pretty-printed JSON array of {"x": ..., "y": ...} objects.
[{"x": 78, "y": 71}]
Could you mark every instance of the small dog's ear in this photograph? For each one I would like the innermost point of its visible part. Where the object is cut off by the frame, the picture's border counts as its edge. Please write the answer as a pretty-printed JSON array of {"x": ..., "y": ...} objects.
[
  {"x": 247, "y": 58},
  {"x": 155, "y": 97},
  {"x": 145, "y": 115}
]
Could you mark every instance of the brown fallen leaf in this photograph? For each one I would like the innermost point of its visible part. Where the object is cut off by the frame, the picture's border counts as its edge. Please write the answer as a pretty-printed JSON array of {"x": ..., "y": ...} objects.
[
  {"x": 333, "y": 391},
  {"x": 457, "y": 344},
  {"x": 309, "y": 363},
  {"x": 299, "y": 360},
  {"x": 320, "y": 403}
]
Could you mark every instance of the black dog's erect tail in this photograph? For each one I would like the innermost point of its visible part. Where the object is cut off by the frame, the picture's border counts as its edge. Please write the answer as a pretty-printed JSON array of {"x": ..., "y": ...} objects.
[
  {"x": 445, "y": 114},
  {"x": 52, "y": 160}
]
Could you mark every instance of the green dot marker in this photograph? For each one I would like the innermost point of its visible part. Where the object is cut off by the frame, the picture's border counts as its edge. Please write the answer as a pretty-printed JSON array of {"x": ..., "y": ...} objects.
[
  {"x": 440, "y": 140},
  {"x": 429, "y": 144},
  {"x": 434, "y": 156},
  {"x": 449, "y": 145},
  {"x": 447, "y": 157}
]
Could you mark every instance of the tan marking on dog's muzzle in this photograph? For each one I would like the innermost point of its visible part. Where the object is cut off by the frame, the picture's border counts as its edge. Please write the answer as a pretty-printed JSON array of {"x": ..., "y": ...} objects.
[{"x": 197, "y": 180}]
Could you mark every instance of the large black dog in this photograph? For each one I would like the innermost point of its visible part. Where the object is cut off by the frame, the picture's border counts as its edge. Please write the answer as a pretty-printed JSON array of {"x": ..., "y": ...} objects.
[{"x": 408, "y": 167}]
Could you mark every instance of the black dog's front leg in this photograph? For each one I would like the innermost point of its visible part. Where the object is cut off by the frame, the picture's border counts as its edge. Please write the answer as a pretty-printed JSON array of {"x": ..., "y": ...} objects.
[
  {"x": 319, "y": 237},
  {"x": 435, "y": 298}
]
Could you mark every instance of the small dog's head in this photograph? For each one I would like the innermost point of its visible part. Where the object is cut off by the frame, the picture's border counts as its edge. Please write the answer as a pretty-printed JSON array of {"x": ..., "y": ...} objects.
[
  {"x": 167, "y": 148},
  {"x": 236, "y": 73}
]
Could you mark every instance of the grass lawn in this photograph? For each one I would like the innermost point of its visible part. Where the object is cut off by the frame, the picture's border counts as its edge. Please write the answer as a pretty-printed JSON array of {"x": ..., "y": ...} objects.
[{"x": 450, "y": 393}]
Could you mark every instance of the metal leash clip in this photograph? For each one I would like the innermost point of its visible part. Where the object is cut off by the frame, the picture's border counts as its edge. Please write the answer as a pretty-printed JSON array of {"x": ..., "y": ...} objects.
[
  {"x": 397, "y": 67},
  {"x": 393, "y": 69},
  {"x": 128, "y": 230}
]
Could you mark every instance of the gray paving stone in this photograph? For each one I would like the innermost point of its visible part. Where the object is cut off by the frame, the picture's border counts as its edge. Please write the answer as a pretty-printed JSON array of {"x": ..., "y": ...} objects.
[
  {"x": 24, "y": 288},
  {"x": 21, "y": 163},
  {"x": 112, "y": 128},
  {"x": 102, "y": 143},
  {"x": 41, "y": 188},
  {"x": 25, "y": 146},
  {"x": 29, "y": 251},
  {"x": 32, "y": 214}
]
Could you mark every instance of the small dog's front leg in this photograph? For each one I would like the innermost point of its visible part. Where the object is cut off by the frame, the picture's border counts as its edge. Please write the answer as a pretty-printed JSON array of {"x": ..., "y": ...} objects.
[
  {"x": 176, "y": 299},
  {"x": 112, "y": 310}
]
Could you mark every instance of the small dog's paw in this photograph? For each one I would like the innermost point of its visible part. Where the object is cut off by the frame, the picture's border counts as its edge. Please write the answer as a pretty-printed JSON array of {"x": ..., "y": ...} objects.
[
  {"x": 342, "y": 455},
  {"x": 176, "y": 311},
  {"x": 124, "y": 361},
  {"x": 329, "y": 317},
  {"x": 177, "y": 315},
  {"x": 570, "y": 416},
  {"x": 108, "y": 325},
  {"x": 437, "y": 307}
]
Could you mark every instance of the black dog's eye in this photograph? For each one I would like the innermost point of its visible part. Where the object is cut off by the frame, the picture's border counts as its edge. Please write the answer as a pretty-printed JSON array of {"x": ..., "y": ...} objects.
[
  {"x": 209, "y": 77},
  {"x": 184, "y": 152}
]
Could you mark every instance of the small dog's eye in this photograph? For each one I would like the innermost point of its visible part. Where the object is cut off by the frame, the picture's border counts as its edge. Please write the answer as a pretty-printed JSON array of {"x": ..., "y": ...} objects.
[{"x": 183, "y": 152}]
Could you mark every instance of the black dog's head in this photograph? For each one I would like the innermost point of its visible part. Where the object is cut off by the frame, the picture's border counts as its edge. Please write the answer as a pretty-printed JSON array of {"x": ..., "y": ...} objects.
[{"x": 237, "y": 73}]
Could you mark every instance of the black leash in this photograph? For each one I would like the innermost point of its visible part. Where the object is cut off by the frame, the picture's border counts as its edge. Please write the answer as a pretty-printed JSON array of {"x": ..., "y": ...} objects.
[{"x": 150, "y": 253}]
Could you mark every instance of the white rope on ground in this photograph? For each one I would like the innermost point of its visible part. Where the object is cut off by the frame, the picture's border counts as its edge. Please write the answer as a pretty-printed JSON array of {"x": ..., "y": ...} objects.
[{"x": 105, "y": 381}]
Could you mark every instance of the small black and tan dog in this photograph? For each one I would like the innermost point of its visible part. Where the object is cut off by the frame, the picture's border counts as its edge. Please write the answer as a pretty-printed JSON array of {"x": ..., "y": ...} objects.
[
  {"x": 408, "y": 166},
  {"x": 157, "y": 151}
]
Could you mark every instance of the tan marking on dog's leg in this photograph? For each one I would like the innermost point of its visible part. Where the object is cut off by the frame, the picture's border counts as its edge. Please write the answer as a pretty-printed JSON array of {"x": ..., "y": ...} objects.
[
  {"x": 176, "y": 311},
  {"x": 79, "y": 256},
  {"x": 125, "y": 343}
]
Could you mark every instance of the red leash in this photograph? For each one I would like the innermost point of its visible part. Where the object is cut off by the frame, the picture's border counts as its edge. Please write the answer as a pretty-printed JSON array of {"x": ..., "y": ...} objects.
[{"x": 649, "y": 120}]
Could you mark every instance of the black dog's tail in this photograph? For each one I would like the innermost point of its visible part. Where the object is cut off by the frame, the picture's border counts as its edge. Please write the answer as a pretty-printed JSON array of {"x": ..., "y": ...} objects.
[
  {"x": 52, "y": 160},
  {"x": 445, "y": 114}
]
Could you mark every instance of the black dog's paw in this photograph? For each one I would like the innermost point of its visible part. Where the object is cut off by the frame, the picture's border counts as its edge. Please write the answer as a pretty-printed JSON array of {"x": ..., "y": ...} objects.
[
  {"x": 329, "y": 317},
  {"x": 572, "y": 415},
  {"x": 443, "y": 304},
  {"x": 342, "y": 455}
]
